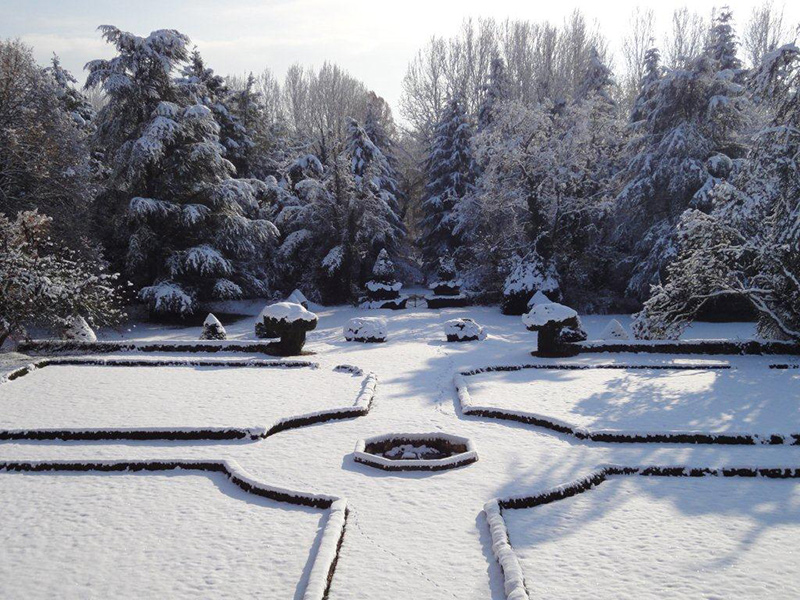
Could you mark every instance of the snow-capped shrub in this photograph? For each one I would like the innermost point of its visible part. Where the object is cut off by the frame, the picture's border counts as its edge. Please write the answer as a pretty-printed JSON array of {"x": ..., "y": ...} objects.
[
  {"x": 447, "y": 282},
  {"x": 383, "y": 285},
  {"x": 288, "y": 321},
  {"x": 538, "y": 298},
  {"x": 298, "y": 298},
  {"x": 614, "y": 331},
  {"x": 527, "y": 276},
  {"x": 78, "y": 330},
  {"x": 366, "y": 329},
  {"x": 463, "y": 330},
  {"x": 167, "y": 297},
  {"x": 213, "y": 329},
  {"x": 557, "y": 325}
]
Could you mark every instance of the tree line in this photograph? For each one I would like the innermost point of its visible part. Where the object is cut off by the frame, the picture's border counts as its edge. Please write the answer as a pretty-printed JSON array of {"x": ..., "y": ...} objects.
[{"x": 671, "y": 189}]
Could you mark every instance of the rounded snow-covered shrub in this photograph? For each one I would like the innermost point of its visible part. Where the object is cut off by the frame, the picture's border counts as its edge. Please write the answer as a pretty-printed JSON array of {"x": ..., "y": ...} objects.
[
  {"x": 213, "y": 329},
  {"x": 78, "y": 330},
  {"x": 557, "y": 325},
  {"x": 298, "y": 298},
  {"x": 614, "y": 331},
  {"x": 366, "y": 329},
  {"x": 526, "y": 277},
  {"x": 288, "y": 321},
  {"x": 463, "y": 330},
  {"x": 719, "y": 165}
]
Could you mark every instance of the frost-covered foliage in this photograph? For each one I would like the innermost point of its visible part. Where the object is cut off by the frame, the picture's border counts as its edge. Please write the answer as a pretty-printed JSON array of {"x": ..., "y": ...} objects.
[
  {"x": 213, "y": 329},
  {"x": 496, "y": 92},
  {"x": 45, "y": 162},
  {"x": 335, "y": 221},
  {"x": 545, "y": 173},
  {"x": 450, "y": 174},
  {"x": 687, "y": 116},
  {"x": 527, "y": 277},
  {"x": 46, "y": 284},
  {"x": 194, "y": 233},
  {"x": 748, "y": 245},
  {"x": 77, "y": 329}
]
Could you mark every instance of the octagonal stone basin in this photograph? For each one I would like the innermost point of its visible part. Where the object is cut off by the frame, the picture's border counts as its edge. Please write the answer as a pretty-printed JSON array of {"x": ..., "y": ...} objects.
[{"x": 415, "y": 452}]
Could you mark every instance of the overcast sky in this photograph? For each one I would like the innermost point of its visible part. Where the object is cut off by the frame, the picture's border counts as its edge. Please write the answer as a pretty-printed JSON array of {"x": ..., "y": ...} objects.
[{"x": 372, "y": 39}]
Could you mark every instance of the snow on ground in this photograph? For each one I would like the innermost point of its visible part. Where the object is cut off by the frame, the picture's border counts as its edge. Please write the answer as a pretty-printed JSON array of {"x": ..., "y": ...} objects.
[
  {"x": 657, "y": 537},
  {"x": 415, "y": 534},
  {"x": 749, "y": 398},
  {"x": 148, "y": 536},
  {"x": 74, "y": 396}
]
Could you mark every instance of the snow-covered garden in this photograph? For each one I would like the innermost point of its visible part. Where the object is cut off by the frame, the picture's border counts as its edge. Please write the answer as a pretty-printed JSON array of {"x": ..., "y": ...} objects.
[{"x": 390, "y": 500}]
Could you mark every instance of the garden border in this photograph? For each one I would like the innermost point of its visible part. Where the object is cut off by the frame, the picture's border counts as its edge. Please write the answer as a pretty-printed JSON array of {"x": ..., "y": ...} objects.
[
  {"x": 513, "y": 576},
  {"x": 700, "y": 346},
  {"x": 360, "y": 408},
  {"x": 326, "y": 557},
  {"x": 107, "y": 347},
  {"x": 608, "y": 436}
]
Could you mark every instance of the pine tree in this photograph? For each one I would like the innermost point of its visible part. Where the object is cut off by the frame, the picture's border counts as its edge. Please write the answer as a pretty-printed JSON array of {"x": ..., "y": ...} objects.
[
  {"x": 194, "y": 233},
  {"x": 450, "y": 175},
  {"x": 691, "y": 123},
  {"x": 653, "y": 72}
]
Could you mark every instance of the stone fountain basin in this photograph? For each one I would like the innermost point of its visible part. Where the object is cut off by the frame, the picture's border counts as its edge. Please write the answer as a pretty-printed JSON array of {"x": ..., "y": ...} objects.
[{"x": 415, "y": 451}]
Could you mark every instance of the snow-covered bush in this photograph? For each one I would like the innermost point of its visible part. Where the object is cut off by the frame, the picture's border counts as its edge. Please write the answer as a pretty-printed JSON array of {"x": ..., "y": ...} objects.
[
  {"x": 527, "y": 276},
  {"x": 298, "y": 298},
  {"x": 45, "y": 284},
  {"x": 557, "y": 326},
  {"x": 614, "y": 331},
  {"x": 384, "y": 284},
  {"x": 446, "y": 282},
  {"x": 288, "y": 321},
  {"x": 76, "y": 329},
  {"x": 463, "y": 330},
  {"x": 366, "y": 329},
  {"x": 538, "y": 298},
  {"x": 213, "y": 329}
]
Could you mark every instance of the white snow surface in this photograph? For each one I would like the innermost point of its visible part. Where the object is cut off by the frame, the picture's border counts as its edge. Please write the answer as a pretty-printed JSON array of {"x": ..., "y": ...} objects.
[
  {"x": 211, "y": 320},
  {"x": 193, "y": 535},
  {"x": 750, "y": 398},
  {"x": 287, "y": 311},
  {"x": 408, "y": 534},
  {"x": 375, "y": 286},
  {"x": 552, "y": 312},
  {"x": 366, "y": 328},
  {"x": 78, "y": 396},
  {"x": 658, "y": 537}
]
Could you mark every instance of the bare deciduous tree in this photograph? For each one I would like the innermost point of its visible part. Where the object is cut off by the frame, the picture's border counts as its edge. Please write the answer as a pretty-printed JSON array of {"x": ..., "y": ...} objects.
[{"x": 764, "y": 32}]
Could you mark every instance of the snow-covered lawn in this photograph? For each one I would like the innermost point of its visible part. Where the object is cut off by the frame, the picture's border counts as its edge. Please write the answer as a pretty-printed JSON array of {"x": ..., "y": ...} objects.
[
  {"x": 408, "y": 534},
  {"x": 658, "y": 537},
  {"x": 74, "y": 396},
  {"x": 748, "y": 398},
  {"x": 148, "y": 536}
]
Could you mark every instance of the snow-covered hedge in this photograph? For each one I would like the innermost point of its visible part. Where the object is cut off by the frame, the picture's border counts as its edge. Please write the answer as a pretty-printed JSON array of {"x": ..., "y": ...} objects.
[
  {"x": 558, "y": 327},
  {"x": 366, "y": 329},
  {"x": 289, "y": 322},
  {"x": 614, "y": 331},
  {"x": 408, "y": 451},
  {"x": 463, "y": 330}
]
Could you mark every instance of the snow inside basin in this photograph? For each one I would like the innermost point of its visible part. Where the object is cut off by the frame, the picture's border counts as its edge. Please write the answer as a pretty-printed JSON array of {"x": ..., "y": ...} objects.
[
  {"x": 661, "y": 537},
  {"x": 165, "y": 535},
  {"x": 97, "y": 396},
  {"x": 748, "y": 399},
  {"x": 415, "y": 451}
]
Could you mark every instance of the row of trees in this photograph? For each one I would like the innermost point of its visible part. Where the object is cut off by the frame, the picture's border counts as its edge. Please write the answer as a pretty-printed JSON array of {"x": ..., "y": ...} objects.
[
  {"x": 682, "y": 199},
  {"x": 525, "y": 161}
]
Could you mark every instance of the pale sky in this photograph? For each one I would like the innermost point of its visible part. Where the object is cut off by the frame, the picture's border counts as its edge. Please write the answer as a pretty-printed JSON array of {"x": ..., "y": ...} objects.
[{"x": 373, "y": 39}]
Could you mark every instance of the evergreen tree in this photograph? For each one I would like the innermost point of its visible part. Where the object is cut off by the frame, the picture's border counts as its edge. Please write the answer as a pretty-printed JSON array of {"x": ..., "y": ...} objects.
[
  {"x": 193, "y": 232},
  {"x": 692, "y": 119},
  {"x": 653, "y": 72},
  {"x": 451, "y": 175}
]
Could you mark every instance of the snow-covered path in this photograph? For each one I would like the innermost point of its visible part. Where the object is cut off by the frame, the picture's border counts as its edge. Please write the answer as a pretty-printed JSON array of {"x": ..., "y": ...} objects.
[{"x": 417, "y": 534}]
